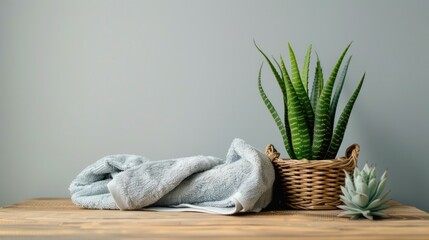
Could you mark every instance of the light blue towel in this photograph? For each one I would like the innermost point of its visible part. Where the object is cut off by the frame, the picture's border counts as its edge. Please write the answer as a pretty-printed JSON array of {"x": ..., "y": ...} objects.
[{"x": 241, "y": 183}]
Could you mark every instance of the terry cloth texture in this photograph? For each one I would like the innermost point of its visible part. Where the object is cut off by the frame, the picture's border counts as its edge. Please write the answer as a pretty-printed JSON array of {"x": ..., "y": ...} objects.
[{"x": 243, "y": 182}]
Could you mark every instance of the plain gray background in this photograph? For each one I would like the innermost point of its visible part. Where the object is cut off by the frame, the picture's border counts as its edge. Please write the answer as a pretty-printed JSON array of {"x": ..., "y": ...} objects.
[{"x": 164, "y": 79}]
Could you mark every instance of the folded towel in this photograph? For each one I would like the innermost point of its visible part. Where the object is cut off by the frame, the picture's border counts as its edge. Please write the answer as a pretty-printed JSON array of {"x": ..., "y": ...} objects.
[{"x": 241, "y": 183}]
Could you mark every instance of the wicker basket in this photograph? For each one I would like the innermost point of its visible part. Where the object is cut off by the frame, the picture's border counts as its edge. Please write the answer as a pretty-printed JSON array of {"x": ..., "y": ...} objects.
[{"x": 311, "y": 184}]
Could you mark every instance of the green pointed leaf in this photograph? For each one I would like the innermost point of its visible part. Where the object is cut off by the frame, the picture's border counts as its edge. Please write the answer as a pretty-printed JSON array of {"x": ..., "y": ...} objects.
[
  {"x": 383, "y": 196},
  {"x": 286, "y": 120},
  {"x": 338, "y": 91},
  {"x": 281, "y": 84},
  {"x": 296, "y": 114},
  {"x": 322, "y": 81},
  {"x": 356, "y": 173},
  {"x": 346, "y": 193},
  {"x": 361, "y": 186},
  {"x": 349, "y": 208},
  {"x": 279, "y": 68},
  {"x": 384, "y": 176},
  {"x": 372, "y": 187},
  {"x": 273, "y": 69},
  {"x": 364, "y": 176},
  {"x": 296, "y": 77},
  {"x": 342, "y": 123},
  {"x": 275, "y": 116},
  {"x": 382, "y": 207},
  {"x": 380, "y": 188},
  {"x": 372, "y": 174},
  {"x": 285, "y": 117},
  {"x": 380, "y": 214},
  {"x": 348, "y": 202},
  {"x": 345, "y": 214},
  {"x": 349, "y": 183},
  {"x": 317, "y": 85},
  {"x": 302, "y": 94},
  {"x": 284, "y": 74},
  {"x": 366, "y": 169},
  {"x": 375, "y": 204},
  {"x": 360, "y": 199},
  {"x": 322, "y": 126},
  {"x": 368, "y": 215},
  {"x": 305, "y": 68},
  {"x": 378, "y": 204},
  {"x": 366, "y": 173}
]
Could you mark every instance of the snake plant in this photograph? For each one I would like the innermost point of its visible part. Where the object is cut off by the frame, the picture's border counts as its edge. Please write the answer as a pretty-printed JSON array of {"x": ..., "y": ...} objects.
[{"x": 307, "y": 128}]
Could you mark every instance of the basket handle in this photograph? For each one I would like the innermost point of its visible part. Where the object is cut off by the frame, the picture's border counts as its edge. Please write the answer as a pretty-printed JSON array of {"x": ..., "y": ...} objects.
[
  {"x": 352, "y": 152},
  {"x": 271, "y": 152}
]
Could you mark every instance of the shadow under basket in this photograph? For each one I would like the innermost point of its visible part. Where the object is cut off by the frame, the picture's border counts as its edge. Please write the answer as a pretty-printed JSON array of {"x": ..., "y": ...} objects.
[{"x": 311, "y": 184}]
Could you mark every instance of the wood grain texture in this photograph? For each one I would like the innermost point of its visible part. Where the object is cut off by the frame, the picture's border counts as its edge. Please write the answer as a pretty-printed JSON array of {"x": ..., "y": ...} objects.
[{"x": 54, "y": 218}]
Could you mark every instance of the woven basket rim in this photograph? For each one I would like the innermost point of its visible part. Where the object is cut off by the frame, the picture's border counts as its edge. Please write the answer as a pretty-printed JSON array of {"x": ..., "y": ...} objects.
[
  {"x": 312, "y": 161},
  {"x": 352, "y": 152}
]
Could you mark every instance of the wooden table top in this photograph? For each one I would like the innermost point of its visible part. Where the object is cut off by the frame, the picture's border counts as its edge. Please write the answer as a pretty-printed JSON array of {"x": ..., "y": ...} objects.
[{"x": 54, "y": 218}]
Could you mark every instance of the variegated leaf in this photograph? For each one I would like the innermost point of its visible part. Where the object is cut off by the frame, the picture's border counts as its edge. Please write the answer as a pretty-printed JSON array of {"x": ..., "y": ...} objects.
[
  {"x": 342, "y": 123},
  {"x": 301, "y": 93},
  {"x": 296, "y": 114},
  {"x": 275, "y": 116},
  {"x": 322, "y": 126}
]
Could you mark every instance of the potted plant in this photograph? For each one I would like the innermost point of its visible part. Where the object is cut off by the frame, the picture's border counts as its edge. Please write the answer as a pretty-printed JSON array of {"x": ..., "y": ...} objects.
[{"x": 312, "y": 177}]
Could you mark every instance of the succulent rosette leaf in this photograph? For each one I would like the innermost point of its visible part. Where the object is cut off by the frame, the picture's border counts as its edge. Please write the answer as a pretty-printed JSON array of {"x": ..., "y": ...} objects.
[{"x": 363, "y": 195}]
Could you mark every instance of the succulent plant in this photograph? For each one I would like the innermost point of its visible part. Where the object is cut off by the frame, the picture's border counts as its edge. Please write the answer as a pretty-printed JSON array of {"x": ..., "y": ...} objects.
[
  {"x": 363, "y": 195},
  {"x": 308, "y": 128}
]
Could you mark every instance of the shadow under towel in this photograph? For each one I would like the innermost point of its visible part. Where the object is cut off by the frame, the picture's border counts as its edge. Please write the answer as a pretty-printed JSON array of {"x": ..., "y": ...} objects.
[{"x": 241, "y": 183}]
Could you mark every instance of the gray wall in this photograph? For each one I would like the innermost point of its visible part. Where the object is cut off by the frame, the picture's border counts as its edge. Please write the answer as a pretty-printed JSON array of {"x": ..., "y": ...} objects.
[{"x": 84, "y": 79}]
